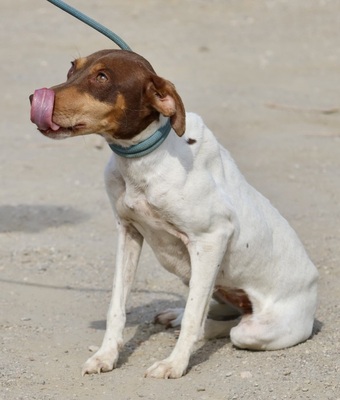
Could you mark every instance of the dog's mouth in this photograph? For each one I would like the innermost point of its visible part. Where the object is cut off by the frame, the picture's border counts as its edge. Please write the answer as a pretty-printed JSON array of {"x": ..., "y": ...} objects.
[
  {"x": 62, "y": 132},
  {"x": 42, "y": 106}
]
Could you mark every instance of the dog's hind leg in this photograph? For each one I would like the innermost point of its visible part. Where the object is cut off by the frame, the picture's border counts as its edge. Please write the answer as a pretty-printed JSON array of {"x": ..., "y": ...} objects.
[
  {"x": 255, "y": 333},
  {"x": 172, "y": 317},
  {"x": 282, "y": 326}
]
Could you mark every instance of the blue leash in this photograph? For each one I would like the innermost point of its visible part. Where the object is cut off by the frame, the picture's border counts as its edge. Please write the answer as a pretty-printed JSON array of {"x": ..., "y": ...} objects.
[
  {"x": 92, "y": 23},
  {"x": 146, "y": 146}
]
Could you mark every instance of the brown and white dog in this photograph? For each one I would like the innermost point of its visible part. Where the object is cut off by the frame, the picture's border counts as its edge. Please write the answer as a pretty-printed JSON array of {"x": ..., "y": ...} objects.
[{"x": 187, "y": 199}]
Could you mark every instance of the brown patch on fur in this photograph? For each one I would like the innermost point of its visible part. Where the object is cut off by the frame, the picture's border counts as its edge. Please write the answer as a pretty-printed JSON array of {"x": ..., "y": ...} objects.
[
  {"x": 191, "y": 141},
  {"x": 75, "y": 109},
  {"x": 80, "y": 62},
  {"x": 97, "y": 67},
  {"x": 116, "y": 94},
  {"x": 164, "y": 98},
  {"x": 236, "y": 297}
]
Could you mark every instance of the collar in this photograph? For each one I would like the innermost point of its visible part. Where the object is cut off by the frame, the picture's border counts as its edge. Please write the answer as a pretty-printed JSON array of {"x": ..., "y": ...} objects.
[{"x": 146, "y": 146}]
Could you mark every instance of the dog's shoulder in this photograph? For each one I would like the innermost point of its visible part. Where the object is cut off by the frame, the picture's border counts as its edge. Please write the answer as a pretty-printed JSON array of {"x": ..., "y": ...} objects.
[
  {"x": 195, "y": 127},
  {"x": 202, "y": 141}
]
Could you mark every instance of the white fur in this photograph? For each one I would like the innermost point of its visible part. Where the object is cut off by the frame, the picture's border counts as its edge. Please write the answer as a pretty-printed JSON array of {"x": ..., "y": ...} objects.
[{"x": 207, "y": 225}]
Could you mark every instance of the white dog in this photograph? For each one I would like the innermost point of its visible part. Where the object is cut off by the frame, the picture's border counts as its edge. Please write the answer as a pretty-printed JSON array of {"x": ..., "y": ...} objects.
[{"x": 184, "y": 195}]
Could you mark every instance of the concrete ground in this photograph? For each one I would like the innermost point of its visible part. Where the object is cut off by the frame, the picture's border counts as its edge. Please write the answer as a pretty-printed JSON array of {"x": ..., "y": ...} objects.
[{"x": 265, "y": 77}]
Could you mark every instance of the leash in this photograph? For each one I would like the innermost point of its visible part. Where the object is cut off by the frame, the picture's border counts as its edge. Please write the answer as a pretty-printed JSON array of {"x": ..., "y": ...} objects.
[
  {"x": 92, "y": 23},
  {"x": 148, "y": 145}
]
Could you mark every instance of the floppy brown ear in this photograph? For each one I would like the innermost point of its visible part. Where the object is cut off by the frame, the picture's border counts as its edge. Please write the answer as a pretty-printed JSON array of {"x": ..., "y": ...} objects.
[{"x": 163, "y": 97}]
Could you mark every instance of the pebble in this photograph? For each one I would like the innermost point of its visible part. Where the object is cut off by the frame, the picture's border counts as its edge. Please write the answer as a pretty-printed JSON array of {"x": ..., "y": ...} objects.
[
  {"x": 246, "y": 375},
  {"x": 93, "y": 348}
]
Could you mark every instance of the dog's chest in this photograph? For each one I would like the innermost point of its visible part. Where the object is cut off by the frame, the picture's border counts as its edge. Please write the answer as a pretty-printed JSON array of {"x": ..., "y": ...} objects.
[
  {"x": 151, "y": 219},
  {"x": 166, "y": 240}
]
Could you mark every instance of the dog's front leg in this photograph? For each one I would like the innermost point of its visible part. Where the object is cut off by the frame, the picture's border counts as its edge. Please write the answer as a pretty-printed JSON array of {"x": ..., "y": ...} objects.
[
  {"x": 128, "y": 251},
  {"x": 206, "y": 255}
]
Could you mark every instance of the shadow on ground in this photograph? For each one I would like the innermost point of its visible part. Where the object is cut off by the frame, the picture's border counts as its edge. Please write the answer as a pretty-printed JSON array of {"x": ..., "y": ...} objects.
[{"x": 33, "y": 218}]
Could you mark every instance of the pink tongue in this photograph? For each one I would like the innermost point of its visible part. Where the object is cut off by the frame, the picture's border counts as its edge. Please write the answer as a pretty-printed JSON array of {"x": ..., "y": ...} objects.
[{"x": 42, "y": 109}]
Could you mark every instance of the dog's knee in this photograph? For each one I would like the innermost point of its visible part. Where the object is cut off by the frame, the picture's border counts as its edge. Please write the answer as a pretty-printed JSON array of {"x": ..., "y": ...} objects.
[{"x": 277, "y": 333}]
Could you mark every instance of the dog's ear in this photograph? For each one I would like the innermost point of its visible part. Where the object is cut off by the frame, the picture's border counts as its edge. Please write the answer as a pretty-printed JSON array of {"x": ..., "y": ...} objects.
[{"x": 163, "y": 97}]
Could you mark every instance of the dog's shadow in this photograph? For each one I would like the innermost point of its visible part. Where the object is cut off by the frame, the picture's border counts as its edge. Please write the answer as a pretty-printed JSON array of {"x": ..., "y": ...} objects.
[
  {"x": 145, "y": 330},
  {"x": 33, "y": 218},
  {"x": 317, "y": 327},
  {"x": 141, "y": 317}
]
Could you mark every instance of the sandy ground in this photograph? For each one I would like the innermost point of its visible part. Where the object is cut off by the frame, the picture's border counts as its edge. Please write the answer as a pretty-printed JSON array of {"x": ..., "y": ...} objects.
[{"x": 264, "y": 75}]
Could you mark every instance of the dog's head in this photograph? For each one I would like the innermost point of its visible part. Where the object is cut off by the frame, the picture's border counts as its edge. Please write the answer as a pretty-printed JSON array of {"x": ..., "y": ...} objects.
[{"x": 114, "y": 93}]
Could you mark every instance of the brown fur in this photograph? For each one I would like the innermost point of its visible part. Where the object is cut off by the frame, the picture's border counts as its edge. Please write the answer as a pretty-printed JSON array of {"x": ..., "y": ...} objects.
[
  {"x": 97, "y": 97},
  {"x": 236, "y": 297}
]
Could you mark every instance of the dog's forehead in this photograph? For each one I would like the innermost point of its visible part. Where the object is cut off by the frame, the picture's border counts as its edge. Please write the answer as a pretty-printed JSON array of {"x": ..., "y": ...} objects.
[{"x": 119, "y": 59}]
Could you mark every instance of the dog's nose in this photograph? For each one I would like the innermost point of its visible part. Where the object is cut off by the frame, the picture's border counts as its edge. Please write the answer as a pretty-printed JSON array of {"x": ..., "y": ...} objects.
[{"x": 31, "y": 98}]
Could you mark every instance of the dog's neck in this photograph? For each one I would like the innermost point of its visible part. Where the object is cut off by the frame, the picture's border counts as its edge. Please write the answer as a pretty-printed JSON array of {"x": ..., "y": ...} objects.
[{"x": 148, "y": 141}]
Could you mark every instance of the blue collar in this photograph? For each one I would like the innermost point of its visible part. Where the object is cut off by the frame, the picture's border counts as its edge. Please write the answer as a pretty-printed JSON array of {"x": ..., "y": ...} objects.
[{"x": 146, "y": 146}]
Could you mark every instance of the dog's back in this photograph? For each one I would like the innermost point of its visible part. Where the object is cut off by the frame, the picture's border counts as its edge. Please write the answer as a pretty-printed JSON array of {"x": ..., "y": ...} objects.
[{"x": 265, "y": 257}]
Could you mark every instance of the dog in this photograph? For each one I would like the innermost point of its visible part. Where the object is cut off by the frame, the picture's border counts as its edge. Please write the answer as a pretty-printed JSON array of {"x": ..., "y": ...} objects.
[{"x": 171, "y": 183}]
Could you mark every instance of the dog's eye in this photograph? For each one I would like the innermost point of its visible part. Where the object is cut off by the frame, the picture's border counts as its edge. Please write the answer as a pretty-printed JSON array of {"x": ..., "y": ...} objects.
[{"x": 101, "y": 77}]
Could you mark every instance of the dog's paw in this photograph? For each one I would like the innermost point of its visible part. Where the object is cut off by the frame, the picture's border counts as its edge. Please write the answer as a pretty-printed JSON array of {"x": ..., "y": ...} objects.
[
  {"x": 100, "y": 362},
  {"x": 165, "y": 370},
  {"x": 171, "y": 318}
]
